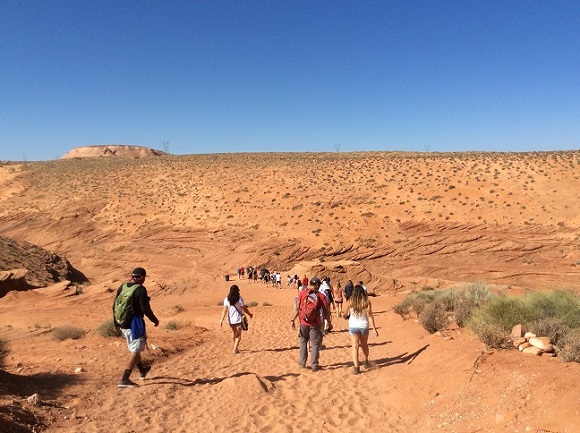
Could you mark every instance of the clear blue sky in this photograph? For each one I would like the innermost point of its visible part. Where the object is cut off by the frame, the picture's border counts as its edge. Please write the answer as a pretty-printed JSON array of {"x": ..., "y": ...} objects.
[{"x": 255, "y": 76}]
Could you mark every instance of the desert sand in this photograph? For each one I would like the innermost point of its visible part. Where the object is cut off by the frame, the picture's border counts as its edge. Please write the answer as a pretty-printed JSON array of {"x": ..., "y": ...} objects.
[{"x": 396, "y": 221}]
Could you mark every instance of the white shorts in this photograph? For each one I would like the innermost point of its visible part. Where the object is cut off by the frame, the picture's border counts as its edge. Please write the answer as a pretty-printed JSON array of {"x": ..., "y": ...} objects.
[{"x": 134, "y": 345}]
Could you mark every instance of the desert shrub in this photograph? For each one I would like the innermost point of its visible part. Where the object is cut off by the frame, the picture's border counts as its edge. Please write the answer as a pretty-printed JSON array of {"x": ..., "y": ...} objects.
[
  {"x": 252, "y": 304},
  {"x": 560, "y": 304},
  {"x": 469, "y": 298},
  {"x": 491, "y": 334},
  {"x": 433, "y": 317},
  {"x": 62, "y": 333},
  {"x": 419, "y": 300},
  {"x": 552, "y": 327},
  {"x": 570, "y": 351},
  {"x": 477, "y": 293},
  {"x": 177, "y": 309},
  {"x": 463, "y": 310},
  {"x": 172, "y": 325},
  {"x": 4, "y": 350},
  {"x": 403, "y": 309},
  {"x": 107, "y": 329},
  {"x": 266, "y": 304},
  {"x": 461, "y": 301},
  {"x": 503, "y": 312}
]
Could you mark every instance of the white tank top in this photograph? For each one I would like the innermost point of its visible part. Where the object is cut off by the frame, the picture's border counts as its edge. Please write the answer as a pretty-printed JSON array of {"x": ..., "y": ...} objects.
[{"x": 358, "y": 320}]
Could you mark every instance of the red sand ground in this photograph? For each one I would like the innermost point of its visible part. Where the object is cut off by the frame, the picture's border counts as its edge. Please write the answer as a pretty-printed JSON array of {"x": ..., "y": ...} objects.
[{"x": 396, "y": 221}]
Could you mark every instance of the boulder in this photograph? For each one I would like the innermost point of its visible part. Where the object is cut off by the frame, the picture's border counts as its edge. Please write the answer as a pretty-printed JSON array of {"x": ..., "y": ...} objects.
[
  {"x": 518, "y": 341},
  {"x": 524, "y": 345},
  {"x": 517, "y": 331},
  {"x": 529, "y": 335},
  {"x": 533, "y": 351},
  {"x": 34, "y": 400},
  {"x": 542, "y": 343}
]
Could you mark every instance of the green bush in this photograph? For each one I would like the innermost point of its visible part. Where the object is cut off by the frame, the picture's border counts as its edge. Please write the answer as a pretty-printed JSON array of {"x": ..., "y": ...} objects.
[
  {"x": 62, "y": 333},
  {"x": 4, "y": 350},
  {"x": 501, "y": 311},
  {"x": 107, "y": 329},
  {"x": 461, "y": 302}
]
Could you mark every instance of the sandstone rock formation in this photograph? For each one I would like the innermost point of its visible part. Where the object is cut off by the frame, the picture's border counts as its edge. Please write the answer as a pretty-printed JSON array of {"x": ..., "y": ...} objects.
[
  {"x": 24, "y": 266},
  {"x": 112, "y": 150}
]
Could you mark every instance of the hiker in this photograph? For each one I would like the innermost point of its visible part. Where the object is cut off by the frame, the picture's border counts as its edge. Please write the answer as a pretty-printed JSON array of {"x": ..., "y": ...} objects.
[
  {"x": 360, "y": 315},
  {"x": 363, "y": 286},
  {"x": 233, "y": 307},
  {"x": 338, "y": 299},
  {"x": 326, "y": 289},
  {"x": 312, "y": 308},
  {"x": 348, "y": 290},
  {"x": 133, "y": 300}
]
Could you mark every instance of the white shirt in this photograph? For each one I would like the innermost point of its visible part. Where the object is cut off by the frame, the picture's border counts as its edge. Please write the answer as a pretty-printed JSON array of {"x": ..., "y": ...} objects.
[
  {"x": 359, "y": 321},
  {"x": 234, "y": 314}
]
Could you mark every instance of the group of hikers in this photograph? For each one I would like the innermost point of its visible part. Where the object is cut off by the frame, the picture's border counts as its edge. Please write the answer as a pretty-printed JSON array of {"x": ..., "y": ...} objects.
[{"x": 312, "y": 307}]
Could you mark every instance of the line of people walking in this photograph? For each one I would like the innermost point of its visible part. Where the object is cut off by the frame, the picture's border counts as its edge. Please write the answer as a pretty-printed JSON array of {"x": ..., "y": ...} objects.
[{"x": 311, "y": 308}]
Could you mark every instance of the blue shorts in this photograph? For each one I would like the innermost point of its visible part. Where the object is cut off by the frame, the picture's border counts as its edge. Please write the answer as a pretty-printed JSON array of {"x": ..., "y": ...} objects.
[{"x": 362, "y": 331}]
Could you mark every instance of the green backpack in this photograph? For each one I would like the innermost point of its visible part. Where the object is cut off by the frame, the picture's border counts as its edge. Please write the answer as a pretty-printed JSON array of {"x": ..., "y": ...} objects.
[{"x": 123, "y": 307}]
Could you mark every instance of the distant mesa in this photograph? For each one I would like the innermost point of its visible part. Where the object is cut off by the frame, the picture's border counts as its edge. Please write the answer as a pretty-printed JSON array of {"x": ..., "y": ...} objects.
[{"x": 112, "y": 151}]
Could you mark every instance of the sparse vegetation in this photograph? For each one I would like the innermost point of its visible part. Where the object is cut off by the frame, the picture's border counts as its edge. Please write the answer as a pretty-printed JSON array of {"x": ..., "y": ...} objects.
[
  {"x": 107, "y": 329},
  {"x": 62, "y": 333},
  {"x": 173, "y": 325},
  {"x": 176, "y": 309}
]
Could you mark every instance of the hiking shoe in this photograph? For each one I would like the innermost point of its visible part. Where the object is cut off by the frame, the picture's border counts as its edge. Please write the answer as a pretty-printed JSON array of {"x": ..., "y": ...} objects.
[
  {"x": 143, "y": 373},
  {"x": 127, "y": 384},
  {"x": 315, "y": 368},
  {"x": 356, "y": 370},
  {"x": 301, "y": 365}
]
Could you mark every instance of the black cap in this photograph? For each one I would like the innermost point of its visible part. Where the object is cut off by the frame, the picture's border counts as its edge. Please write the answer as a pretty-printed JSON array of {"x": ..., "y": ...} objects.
[
  {"x": 139, "y": 272},
  {"x": 314, "y": 281}
]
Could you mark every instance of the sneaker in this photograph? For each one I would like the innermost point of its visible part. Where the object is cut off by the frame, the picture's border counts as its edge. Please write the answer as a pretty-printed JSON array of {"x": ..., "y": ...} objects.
[
  {"x": 315, "y": 368},
  {"x": 366, "y": 364},
  {"x": 127, "y": 384},
  {"x": 302, "y": 365},
  {"x": 143, "y": 373},
  {"x": 355, "y": 370}
]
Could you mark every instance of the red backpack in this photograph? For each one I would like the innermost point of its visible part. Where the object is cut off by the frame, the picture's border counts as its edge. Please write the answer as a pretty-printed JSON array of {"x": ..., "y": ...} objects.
[{"x": 310, "y": 308}]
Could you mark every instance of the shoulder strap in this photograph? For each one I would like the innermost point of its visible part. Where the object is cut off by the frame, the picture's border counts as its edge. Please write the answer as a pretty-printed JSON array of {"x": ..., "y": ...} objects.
[{"x": 130, "y": 290}]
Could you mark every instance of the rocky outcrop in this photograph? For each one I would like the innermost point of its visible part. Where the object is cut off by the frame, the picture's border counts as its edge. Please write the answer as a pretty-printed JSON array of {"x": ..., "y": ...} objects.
[
  {"x": 24, "y": 266},
  {"x": 114, "y": 151}
]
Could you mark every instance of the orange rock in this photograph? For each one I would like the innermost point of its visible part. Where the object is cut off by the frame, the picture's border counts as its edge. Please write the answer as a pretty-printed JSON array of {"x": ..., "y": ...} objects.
[
  {"x": 529, "y": 335},
  {"x": 543, "y": 343},
  {"x": 524, "y": 345},
  {"x": 517, "y": 331},
  {"x": 533, "y": 351}
]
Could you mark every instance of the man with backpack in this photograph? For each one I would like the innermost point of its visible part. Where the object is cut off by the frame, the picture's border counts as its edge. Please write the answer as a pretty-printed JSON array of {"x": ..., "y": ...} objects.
[
  {"x": 130, "y": 306},
  {"x": 312, "y": 309}
]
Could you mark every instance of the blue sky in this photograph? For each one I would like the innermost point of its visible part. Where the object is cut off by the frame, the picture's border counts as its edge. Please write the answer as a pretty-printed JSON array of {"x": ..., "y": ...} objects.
[{"x": 298, "y": 76}]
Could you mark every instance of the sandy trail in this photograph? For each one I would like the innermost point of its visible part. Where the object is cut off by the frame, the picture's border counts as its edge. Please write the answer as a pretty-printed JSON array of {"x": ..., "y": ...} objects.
[{"x": 262, "y": 389}]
